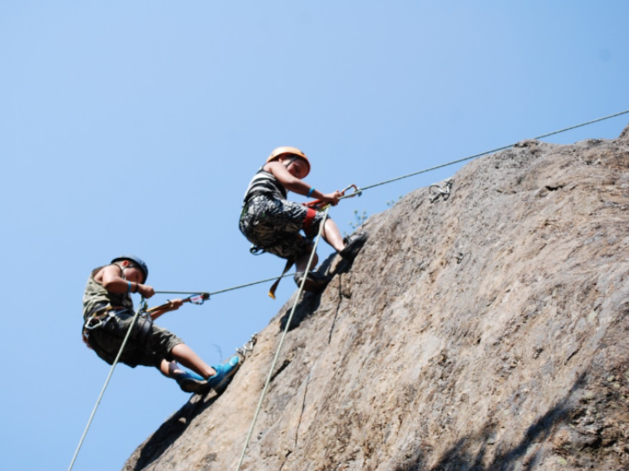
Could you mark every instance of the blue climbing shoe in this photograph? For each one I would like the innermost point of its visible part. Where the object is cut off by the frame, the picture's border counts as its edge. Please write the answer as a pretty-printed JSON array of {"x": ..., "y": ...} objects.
[
  {"x": 224, "y": 374},
  {"x": 192, "y": 383}
]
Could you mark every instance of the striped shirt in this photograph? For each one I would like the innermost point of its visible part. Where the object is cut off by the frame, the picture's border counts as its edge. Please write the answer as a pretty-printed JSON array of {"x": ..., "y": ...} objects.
[{"x": 264, "y": 183}]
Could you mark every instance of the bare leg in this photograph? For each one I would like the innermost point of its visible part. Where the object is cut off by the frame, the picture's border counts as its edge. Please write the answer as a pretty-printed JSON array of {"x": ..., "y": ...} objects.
[
  {"x": 170, "y": 368},
  {"x": 184, "y": 355},
  {"x": 332, "y": 235}
]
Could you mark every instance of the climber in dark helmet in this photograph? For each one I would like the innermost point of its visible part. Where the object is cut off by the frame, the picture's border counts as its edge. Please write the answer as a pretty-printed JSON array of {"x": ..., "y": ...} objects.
[
  {"x": 108, "y": 314},
  {"x": 273, "y": 224}
]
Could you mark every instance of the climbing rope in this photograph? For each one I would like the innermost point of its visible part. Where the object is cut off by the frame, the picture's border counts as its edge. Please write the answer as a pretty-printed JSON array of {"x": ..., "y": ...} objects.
[
  {"x": 210, "y": 294},
  {"x": 279, "y": 348},
  {"x": 141, "y": 308},
  {"x": 358, "y": 192},
  {"x": 490, "y": 151},
  {"x": 206, "y": 295}
]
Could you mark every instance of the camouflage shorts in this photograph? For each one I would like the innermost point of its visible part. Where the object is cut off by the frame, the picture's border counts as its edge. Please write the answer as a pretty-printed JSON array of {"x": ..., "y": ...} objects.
[
  {"x": 157, "y": 346},
  {"x": 274, "y": 225}
]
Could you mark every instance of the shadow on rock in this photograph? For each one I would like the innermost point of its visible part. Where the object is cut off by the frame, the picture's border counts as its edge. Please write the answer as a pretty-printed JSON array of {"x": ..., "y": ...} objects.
[
  {"x": 171, "y": 430},
  {"x": 460, "y": 458},
  {"x": 310, "y": 302}
]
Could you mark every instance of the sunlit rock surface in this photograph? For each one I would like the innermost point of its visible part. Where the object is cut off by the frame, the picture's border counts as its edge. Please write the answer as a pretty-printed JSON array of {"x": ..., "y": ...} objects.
[{"x": 486, "y": 331}]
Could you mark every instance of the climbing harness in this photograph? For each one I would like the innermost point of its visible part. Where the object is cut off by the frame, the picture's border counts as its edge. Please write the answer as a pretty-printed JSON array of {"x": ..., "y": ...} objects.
[
  {"x": 359, "y": 191},
  {"x": 141, "y": 310},
  {"x": 103, "y": 313},
  {"x": 143, "y": 313},
  {"x": 312, "y": 208},
  {"x": 205, "y": 296},
  {"x": 444, "y": 192},
  {"x": 99, "y": 318},
  {"x": 279, "y": 348},
  {"x": 441, "y": 192},
  {"x": 287, "y": 266},
  {"x": 311, "y": 213}
]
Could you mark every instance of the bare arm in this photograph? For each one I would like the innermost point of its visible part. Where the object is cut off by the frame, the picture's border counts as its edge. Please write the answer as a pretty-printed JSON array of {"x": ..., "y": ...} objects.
[
  {"x": 294, "y": 184},
  {"x": 172, "y": 306},
  {"x": 111, "y": 280}
]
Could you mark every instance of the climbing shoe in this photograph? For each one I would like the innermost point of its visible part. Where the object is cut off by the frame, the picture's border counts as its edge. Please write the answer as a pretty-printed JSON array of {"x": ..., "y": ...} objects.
[
  {"x": 353, "y": 244},
  {"x": 315, "y": 282},
  {"x": 192, "y": 383},
  {"x": 224, "y": 374}
]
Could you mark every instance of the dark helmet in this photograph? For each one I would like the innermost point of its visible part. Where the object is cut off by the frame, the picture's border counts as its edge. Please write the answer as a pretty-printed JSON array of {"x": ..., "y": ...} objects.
[{"x": 137, "y": 261}]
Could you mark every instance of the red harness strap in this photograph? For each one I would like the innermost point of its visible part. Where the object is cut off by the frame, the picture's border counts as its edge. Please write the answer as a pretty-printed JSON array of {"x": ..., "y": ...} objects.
[{"x": 310, "y": 215}]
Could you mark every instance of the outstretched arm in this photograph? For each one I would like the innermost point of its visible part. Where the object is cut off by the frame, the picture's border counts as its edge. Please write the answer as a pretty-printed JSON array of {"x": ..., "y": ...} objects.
[
  {"x": 171, "y": 306},
  {"x": 294, "y": 184}
]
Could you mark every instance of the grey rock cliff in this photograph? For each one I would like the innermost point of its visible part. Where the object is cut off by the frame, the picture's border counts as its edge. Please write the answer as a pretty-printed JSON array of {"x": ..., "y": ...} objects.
[{"x": 484, "y": 332}]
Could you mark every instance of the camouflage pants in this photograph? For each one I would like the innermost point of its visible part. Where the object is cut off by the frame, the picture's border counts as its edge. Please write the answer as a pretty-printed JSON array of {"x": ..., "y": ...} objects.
[
  {"x": 274, "y": 225},
  {"x": 157, "y": 346}
]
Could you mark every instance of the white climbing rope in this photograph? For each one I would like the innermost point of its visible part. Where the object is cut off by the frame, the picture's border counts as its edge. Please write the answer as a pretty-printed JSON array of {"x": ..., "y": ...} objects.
[
  {"x": 141, "y": 308},
  {"x": 386, "y": 182},
  {"x": 268, "y": 380},
  {"x": 279, "y": 348},
  {"x": 303, "y": 282}
]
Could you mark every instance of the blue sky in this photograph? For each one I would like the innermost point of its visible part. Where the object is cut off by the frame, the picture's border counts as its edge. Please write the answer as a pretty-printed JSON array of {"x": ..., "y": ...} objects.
[{"x": 134, "y": 127}]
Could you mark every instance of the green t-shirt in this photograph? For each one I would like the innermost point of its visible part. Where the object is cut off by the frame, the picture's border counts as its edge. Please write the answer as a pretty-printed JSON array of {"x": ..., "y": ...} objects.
[{"x": 95, "y": 294}]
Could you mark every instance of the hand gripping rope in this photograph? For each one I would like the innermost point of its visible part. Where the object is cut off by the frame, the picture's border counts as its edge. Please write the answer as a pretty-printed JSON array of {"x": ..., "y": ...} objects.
[
  {"x": 196, "y": 298},
  {"x": 320, "y": 205},
  {"x": 439, "y": 192},
  {"x": 357, "y": 192},
  {"x": 279, "y": 348},
  {"x": 442, "y": 192},
  {"x": 141, "y": 310},
  {"x": 313, "y": 207}
]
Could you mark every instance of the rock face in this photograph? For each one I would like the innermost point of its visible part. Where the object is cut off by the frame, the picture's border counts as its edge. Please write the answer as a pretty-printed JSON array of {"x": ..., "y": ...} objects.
[{"x": 487, "y": 331}]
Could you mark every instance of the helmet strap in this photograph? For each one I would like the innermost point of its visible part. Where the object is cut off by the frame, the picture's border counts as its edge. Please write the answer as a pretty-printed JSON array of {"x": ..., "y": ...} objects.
[
  {"x": 290, "y": 161},
  {"x": 122, "y": 269}
]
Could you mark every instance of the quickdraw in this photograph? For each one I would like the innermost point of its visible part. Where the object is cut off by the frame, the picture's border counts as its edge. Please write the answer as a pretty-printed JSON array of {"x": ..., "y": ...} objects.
[
  {"x": 442, "y": 192},
  {"x": 196, "y": 298},
  {"x": 247, "y": 348},
  {"x": 320, "y": 205}
]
